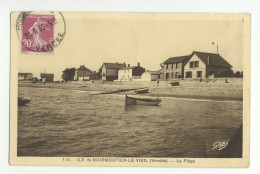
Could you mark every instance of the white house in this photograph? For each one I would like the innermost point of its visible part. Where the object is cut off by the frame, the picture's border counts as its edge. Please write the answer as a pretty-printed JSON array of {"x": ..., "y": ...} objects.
[
  {"x": 110, "y": 71},
  {"x": 82, "y": 73},
  {"x": 204, "y": 65},
  {"x": 150, "y": 75},
  {"x": 195, "y": 68},
  {"x": 25, "y": 76},
  {"x": 130, "y": 73}
]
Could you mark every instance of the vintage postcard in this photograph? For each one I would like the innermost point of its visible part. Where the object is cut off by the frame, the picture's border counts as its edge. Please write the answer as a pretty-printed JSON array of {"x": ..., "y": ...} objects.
[{"x": 130, "y": 89}]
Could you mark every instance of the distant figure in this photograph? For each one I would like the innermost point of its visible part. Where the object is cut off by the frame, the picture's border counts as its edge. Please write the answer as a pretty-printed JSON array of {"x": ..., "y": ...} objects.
[
  {"x": 200, "y": 80},
  {"x": 43, "y": 80},
  {"x": 158, "y": 82},
  {"x": 226, "y": 81}
]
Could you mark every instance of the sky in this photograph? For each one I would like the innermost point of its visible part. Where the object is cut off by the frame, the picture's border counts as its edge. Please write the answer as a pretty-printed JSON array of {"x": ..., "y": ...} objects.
[{"x": 92, "y": 39}]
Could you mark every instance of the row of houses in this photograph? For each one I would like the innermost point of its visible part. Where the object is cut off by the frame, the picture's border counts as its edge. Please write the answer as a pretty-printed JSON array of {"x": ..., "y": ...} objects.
[
  {"x": 196, "y": 65},
  {"x": 47, "y": 77}
]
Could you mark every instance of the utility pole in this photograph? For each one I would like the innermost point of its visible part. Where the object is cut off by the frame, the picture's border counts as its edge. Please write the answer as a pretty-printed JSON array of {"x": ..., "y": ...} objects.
[{"x": 217, "y": 46}]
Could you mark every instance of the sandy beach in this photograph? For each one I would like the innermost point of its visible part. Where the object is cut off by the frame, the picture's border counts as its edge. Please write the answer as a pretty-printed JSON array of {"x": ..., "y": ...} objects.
[{"x": 207, "y": 89}]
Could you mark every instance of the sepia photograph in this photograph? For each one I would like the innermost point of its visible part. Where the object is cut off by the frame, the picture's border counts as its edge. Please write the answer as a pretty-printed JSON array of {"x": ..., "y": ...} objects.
[{"x": 158, "y": 89}]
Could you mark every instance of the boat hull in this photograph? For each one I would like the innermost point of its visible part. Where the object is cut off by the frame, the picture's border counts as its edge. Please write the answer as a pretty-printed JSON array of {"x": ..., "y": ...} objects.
[
  {"x": 175, "y": 84},
  {"x": 142, "y": 101},
  {"x": 141, "y": 91},
  {"x": 23, "y": 101}
]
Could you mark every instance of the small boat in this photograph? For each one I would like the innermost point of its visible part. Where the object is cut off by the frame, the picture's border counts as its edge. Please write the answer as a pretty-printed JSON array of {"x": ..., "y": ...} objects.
[
  {"x": 23, "y": 101},
  {"x": 175, "y": 84},
  {"x": 142, "y": 101},
  {"x": 141, "y": 91}
]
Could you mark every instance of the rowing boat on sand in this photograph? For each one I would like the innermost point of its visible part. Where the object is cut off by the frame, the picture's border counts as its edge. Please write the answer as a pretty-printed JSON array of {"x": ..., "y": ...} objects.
[{"x": 142, "y": 101}]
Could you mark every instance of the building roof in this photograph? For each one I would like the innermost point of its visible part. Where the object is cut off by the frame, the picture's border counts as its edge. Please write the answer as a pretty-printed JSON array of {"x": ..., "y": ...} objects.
[
  {"x": 153, "y": 72},
  {"x": 114, "y": 65},
  {"x": 215, "y": 59},
  {"x": 160, "y": 71},
  {"x": 131, "y": 67},
  {"x": 176, "y": 59},
  {"x": 47, "y": 75},
  {"x": 24, "y": 74},
  {"x": 82, "y": 67}
]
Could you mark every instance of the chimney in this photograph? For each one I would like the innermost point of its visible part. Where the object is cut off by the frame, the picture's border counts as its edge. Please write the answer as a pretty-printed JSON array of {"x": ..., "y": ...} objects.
[
  {"x": 128, "y": 65},
  {"x": 161, "y": 64},
  {"x": 138, "y": 63},
  {"x": 209, "y": 60}
]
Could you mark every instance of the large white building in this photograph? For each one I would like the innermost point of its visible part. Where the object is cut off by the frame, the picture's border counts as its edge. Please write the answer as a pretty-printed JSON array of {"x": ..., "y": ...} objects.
[
  {"x": 196, "y": 65},
  {"x": 130, "y": 73}
]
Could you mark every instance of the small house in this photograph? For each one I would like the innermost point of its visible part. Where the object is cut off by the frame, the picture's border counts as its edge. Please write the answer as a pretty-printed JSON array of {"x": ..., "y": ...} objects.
[
  {"x": 130, "y": 73},
  {"x": 82, "y": 73},
  {"x": 110, "y": 70},
  {"x": 25, "y": 76},
  {"x": 47, "y": 77},
  {"x": 150, "y": 75}
]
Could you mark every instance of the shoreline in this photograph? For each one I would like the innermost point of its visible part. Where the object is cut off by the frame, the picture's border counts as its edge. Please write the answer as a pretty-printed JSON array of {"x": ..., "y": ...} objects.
[
  {"x": 198, "y": 97},
  {"x": 188, "y": 89}
]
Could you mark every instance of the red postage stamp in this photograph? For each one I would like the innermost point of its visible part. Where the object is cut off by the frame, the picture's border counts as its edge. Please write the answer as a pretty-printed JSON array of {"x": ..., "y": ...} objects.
[{"x": 38, "y": 33}]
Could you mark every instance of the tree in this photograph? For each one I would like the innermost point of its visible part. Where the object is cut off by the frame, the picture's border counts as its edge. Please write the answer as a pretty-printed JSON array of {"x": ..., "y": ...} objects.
[
  {"x": 242, "y": 74},
  {"x": 68, "y": 74},
  {"x": 99, "y": 73},
  {"x": 225, "y": 73}
]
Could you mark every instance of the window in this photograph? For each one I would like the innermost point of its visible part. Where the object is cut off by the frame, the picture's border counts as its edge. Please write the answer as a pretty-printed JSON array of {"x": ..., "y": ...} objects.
[
  {"x": 199, "y": 74},
  {"x": 167, "y": 66},
  {"x": 172, "y": 66},
  {"x": 188, "y": 74},
  {"x": 172, "y": 75},
  {"x": 191, "y": 64},
  {"x": 197, "y": 64},
  {"x": 194, "y": 64},
  {"x": 177, "y": 65}
]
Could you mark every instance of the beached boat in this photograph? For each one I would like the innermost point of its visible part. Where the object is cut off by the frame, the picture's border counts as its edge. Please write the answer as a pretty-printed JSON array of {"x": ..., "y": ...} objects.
[
  {"x": 141, "y": 91},
  {"x": 23, "y": 101},
  {"x": 142, "y": 101},
  {"x": 175, "y": 84}
]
